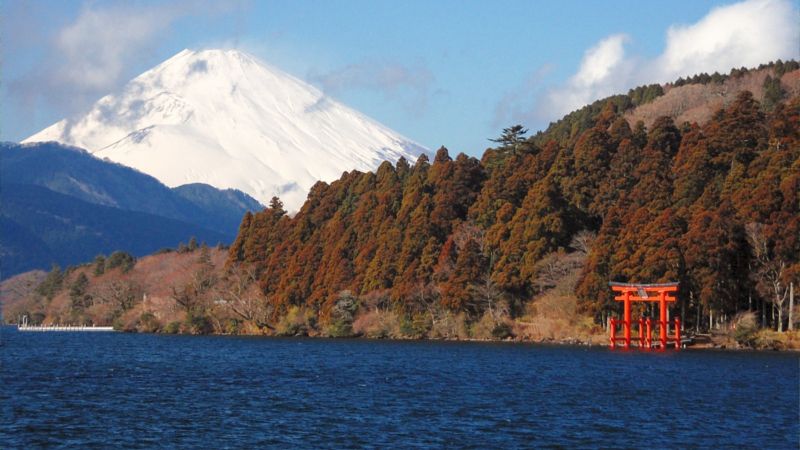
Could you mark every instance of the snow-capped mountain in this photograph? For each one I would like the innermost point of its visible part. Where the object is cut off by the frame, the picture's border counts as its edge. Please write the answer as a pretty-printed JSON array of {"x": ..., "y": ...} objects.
[{"x": 224, "y": 118}]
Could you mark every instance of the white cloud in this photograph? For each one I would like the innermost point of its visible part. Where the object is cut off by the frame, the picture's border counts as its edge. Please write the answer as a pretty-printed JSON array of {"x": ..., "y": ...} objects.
[
  {"x": 603, "y": 71},
  {"x": 744, "y": 34},
  {"x": 94, "y": 49},
  {"x": 388, "y": 78},
  {"x": 95, "y": 53},
  {"x": 601, "y": 62}
]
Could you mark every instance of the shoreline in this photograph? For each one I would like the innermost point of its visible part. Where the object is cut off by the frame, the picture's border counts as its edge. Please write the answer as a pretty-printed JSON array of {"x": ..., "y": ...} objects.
[{"x": 567, "y": 342}]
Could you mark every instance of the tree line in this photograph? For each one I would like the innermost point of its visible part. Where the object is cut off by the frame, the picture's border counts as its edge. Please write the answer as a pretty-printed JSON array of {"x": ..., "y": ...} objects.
[
  {"x": 461, "y": 247},
  {"x": 713, "y": 206}
]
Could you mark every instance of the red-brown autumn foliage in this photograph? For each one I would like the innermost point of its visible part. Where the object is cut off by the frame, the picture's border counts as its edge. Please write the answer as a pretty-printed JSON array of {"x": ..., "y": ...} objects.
[
  {"x": 429, "y": 248},
  {"x": 666, "y": 204}
]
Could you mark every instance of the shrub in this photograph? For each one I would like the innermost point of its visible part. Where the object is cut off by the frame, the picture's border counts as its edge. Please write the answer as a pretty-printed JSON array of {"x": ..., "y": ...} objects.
[
  {"x": 36, "y": 318},
  {"x": 745, "y": 331},
  {"x": 123, "y": 260},
  {"x": 483, "y": 328},
  {"x": 292, "y": 324},
  {"x": 553, "y": 306},
  {"x": 232, "y": 326},
  {"x": 126, "y": 321},
  {"x": 771, "y": 340},
  {"x": 377, "y": 324},
  {"x": 198, "y": 324},
  {"x": 340, "y": 328},
  {"x": 502, "y": 331},
  {"x": 148, "y": 323},
  {"x": 422, "y": 324},
  {"x": 406, "y": 329},
  {"x": 416, "y": 326},
  {"x": 342, "y": 315},
  {"x": 173, "y": 327},
  {"x": 101, "y": 313},
  {"x": 450, "y": 326}
]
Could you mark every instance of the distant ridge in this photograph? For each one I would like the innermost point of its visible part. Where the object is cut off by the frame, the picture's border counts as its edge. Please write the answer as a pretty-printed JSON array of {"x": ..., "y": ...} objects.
[
  {"x": 40, "y": 227},
  {"x": 74, "y": 172},
  {"x": 61, "y": 205}
]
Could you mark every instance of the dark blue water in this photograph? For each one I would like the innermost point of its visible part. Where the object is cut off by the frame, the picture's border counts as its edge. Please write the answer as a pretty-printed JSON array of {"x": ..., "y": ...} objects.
[{"x": 109, "y": 390}]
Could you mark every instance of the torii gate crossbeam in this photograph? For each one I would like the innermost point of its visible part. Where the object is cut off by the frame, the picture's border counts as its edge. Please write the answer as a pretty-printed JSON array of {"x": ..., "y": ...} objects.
[{"x": 633, "y": 292}]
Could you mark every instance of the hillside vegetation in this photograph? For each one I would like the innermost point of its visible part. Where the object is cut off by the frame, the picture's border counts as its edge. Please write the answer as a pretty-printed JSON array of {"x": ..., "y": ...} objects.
[
  {"x": 523, "y": 242},
  {"x": 713, "y": 206}
]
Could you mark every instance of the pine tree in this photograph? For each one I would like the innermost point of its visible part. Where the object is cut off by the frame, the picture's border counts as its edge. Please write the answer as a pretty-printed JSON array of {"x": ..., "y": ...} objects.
[
  {"x": 512, "y": 139},
  {"x": 773, "y": 92},
  {"x": 99, "y": 265},
  {"x": 51, "y": 284},
  {"x": 78, "y": 295}
]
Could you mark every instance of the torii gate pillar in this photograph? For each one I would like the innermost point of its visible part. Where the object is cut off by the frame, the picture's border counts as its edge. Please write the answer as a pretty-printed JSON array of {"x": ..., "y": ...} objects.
[{"x": 643, "y": 291}]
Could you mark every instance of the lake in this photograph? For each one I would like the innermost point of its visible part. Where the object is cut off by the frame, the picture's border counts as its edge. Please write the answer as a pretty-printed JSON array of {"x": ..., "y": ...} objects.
[{"x": 107, "y": 390}]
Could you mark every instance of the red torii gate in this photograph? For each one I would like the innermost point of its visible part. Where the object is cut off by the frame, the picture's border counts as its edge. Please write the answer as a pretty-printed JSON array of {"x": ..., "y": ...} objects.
[{"x": 635, "y": 292}]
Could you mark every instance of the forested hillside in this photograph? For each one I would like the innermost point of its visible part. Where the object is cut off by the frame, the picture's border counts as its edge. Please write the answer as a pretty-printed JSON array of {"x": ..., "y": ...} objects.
[
  {"x": 521, "y": 243},
  {"x": 714, "y": 206}
]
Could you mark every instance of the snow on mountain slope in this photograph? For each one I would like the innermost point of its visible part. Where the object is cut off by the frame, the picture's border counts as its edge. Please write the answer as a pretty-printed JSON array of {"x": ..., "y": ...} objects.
[{"x": 224, "y": 118}]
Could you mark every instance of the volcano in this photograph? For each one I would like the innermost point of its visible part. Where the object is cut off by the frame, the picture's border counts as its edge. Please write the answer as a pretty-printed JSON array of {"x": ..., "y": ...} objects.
[{"x": 227, "y": 119}]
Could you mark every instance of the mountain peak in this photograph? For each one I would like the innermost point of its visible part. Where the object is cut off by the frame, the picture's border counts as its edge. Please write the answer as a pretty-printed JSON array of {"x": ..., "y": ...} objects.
[
  {"x": 227, "y": 58},
  {"x": 225, "y": 118}
]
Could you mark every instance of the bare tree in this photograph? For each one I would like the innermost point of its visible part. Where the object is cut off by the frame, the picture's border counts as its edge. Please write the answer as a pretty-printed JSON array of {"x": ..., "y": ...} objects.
[
  {"x": 122, "y": 294},
  {"x": 769, "y": 269},
  {"x": 491, "y": 298},
  {"x": 186, "y": 297},
  {"x": 377, "y": 300},
  {"x": 468, "y": 231},
  {"x": 194, "y": 294},
  {"x": 582, "y": 242},
  {"x": 426, "y": 298},
  {"x": 551, "y": 269},
  {"x": 241, "y": 295},
  {"x": 204, "y": 278}
]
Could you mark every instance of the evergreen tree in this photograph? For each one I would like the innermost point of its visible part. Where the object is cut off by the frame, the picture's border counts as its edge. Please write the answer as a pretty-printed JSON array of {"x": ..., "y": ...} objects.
[
  {"x": 512, "y": 138},
  {"x": 99, "y": 265},
  {"x": 276, "y": 205},
  {"x": 78, "y": 295},
  {"x": 123, "y": 260},
  {"x": 773, "y": 92},
  {"x": 51, "y": 284}
]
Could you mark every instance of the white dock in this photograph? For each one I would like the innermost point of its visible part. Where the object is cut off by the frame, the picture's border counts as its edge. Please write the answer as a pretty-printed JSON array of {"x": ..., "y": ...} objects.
[{"x": 62, "y": 328}]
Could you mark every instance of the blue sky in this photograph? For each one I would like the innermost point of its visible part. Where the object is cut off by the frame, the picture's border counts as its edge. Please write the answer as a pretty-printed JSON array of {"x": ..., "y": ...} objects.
[{"x": 441, "y": 72}]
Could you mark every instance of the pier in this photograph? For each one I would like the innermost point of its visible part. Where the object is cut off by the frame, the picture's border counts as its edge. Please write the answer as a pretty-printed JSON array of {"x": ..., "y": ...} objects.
[
  {"x": 24, "y": 326},
  {"x": 62, "y": 328}
]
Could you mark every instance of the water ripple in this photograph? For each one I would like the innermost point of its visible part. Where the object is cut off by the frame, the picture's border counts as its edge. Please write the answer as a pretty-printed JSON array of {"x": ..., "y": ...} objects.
[{"x": 143, "y": 391}]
